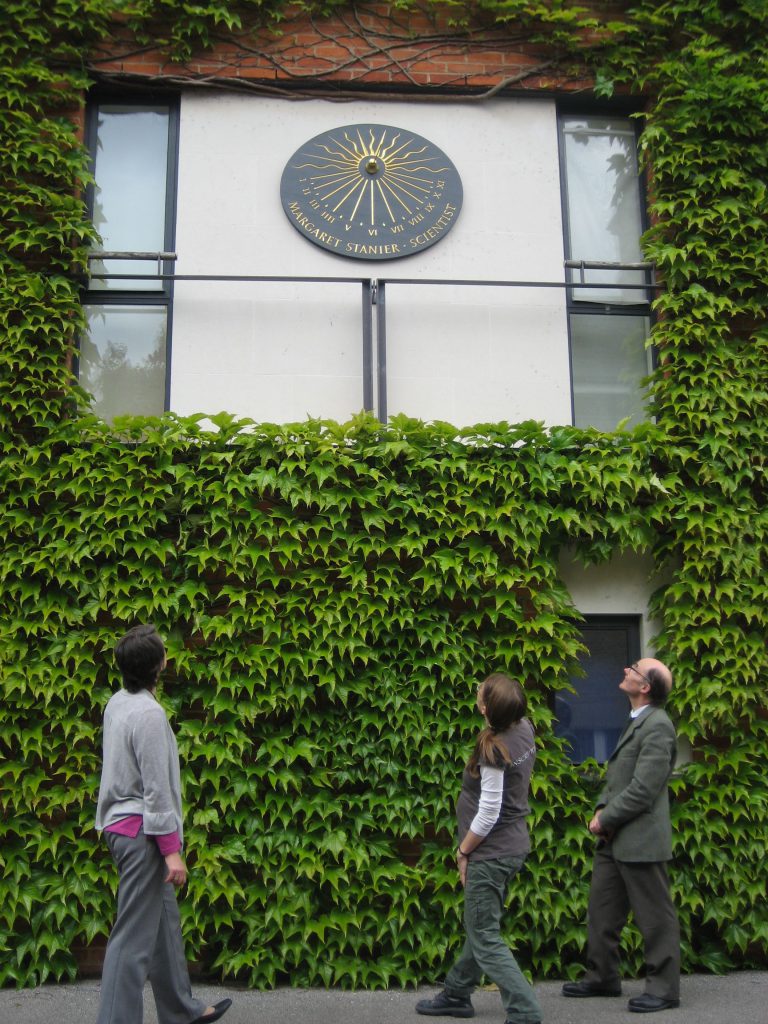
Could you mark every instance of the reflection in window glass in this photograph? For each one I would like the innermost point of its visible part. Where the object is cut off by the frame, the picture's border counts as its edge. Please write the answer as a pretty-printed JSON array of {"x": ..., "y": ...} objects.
[
  {"x": 130, "y": 191},
  {"x": 122, "y": 360},
  {"x": 603, "y": 200},
  {"x": 592, "y": 719},
  {"x": 609, "y": 359}
]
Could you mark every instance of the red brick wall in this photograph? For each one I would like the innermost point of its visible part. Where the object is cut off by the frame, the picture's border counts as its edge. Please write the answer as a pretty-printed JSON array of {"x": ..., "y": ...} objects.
[{"x": 372, "y": 47}]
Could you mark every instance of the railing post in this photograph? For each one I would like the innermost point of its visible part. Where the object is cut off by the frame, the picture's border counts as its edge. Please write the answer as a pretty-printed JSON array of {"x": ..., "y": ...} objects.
[
  {"x": 381, "y": 348},
  {"x": 368, "y": 300}
]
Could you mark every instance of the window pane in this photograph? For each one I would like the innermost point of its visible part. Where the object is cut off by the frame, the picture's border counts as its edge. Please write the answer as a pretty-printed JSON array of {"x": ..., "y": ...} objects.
[
  {"x": 609, "y": 359},
  {"x": 122, "y": 359},
  {"x": 591, "y": 720},
  {"x": 603, "y": 198},
  {"x": 130, "y": 191}
]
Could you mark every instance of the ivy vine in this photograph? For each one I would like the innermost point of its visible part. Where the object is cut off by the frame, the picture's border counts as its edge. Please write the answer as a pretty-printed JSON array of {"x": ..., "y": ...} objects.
[{"x": 330, "y": 593}]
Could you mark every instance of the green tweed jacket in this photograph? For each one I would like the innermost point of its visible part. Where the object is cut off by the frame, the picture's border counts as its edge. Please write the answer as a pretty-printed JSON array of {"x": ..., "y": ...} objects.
[{"x": 634, "y": 802}]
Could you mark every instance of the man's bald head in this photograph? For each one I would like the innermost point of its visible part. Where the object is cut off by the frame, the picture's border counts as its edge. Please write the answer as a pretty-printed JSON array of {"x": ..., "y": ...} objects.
[{"x": 659, "y": 679}]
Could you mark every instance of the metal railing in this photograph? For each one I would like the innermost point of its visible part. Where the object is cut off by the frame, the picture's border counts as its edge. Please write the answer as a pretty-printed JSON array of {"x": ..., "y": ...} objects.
[{"x": 374, "y": 295}]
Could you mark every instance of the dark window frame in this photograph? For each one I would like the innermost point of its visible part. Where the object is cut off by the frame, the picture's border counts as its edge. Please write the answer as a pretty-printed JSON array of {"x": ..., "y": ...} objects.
[
  {"x": 630, "y": 624},
  {"x": 136, "y": 295},
  {"x": 581, "y": 307}
]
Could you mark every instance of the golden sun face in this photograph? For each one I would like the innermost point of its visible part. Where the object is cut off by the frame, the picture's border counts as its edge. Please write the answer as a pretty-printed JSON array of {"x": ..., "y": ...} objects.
[
  {"x": 371, "y": 192},
  {"x": 385, "y": 178}
]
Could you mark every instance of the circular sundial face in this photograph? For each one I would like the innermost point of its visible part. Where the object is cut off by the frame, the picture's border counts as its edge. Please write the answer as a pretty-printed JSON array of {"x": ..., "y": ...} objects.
[{"x": 371, "y": 192}]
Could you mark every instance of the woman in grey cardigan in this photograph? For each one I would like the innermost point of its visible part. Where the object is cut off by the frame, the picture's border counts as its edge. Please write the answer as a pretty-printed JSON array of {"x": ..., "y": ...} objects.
[{"x": 139, "y": 811}]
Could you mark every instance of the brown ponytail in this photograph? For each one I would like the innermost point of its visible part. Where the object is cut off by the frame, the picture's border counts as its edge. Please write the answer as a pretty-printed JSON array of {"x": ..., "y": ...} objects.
[{"x": 505, "y": 704}]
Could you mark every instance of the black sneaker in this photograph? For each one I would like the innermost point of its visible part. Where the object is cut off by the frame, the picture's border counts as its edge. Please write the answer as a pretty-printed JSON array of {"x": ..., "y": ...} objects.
[{"x": 444, "y": 1005}]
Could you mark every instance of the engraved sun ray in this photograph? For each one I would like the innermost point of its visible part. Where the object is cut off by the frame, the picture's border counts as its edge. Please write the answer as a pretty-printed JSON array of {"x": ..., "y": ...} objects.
[
  {"x": 362, "y": 193},
  {"x": 384, "y": 200},
  {"x": 402, "y": 188},
  {"x": 357, "y": 185},
  {"x": 322, "y": 167},
  {"x": 414, "y": 153},
  {"x": 405, "y": 165},
  {"x": 345, "y": 151},
  {"x": 402, "y": 180},
  {"x": 385, "y": 153},
  {"x": 386, "y": 184},
  {"x": 334, "y": 176},
  {"x": 326, "y": 189},
  {"x": 333, "y": 192}
]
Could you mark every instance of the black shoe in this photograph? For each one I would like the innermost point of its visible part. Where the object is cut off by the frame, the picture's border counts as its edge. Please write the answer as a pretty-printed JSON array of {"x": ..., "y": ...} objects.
[
  {"x": 650, "y": 1004},
  {"x": 219, "y": 1009},
  {"x": 585, "y": 989},
  {"x": 444, "y": 1005}
]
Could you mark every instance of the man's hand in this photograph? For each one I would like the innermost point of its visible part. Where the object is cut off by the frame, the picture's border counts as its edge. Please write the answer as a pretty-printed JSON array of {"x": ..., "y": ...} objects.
[
  {"x": 177, "y": 869},
  {"x": 594, "y": 826}
]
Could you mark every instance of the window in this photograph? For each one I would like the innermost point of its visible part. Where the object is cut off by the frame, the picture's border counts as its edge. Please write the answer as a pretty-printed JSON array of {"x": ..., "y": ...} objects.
[
  {"x": 123, "y": 356},
  {"x": 591, "y": 720},
  {"x": 604, "y": 219}
]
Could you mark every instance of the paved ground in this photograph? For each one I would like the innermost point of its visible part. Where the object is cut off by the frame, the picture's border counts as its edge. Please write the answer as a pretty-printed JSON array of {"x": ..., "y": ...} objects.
[{"x": 740, "y": 998}]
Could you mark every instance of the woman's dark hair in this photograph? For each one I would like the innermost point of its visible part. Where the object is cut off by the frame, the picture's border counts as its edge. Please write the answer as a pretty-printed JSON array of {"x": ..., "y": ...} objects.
[
  {"x": 140, "y": 655},
  {"x": 505, "y": 704}
]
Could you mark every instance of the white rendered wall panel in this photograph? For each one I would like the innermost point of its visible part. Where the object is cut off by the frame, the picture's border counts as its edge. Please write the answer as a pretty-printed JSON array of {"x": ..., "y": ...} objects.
[
  {"x": 621, "y": 586},
  {"x": 458, "y": 354}
]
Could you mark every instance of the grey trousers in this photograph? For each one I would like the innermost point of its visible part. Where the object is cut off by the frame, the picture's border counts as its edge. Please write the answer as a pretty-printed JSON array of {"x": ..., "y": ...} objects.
[
  {"x": 618, "y": 887},
  {"x": 485, "y": 952},
  {"x": 145, "y": 941}
]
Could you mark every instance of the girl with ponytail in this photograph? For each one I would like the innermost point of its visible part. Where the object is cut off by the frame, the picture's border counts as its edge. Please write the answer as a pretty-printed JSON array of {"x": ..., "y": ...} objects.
[
  {"x": 502, "y": 703},
  {"x": 492, "y": 846}
]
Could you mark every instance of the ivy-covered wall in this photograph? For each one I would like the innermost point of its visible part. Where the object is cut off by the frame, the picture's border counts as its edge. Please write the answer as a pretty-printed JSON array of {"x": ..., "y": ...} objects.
[{"x": 332, "y": 593}]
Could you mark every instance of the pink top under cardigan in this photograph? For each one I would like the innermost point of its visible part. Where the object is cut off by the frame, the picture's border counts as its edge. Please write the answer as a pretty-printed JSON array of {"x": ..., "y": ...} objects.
[{"x": 131, "y": 825}]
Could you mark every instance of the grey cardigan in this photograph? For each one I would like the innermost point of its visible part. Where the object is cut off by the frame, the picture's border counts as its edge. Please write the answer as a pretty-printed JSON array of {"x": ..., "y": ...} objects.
[{"x": 140, "y": 772}]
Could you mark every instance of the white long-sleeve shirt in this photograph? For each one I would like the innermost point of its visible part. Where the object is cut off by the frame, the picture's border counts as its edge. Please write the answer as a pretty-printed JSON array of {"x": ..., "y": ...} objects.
[{"x": 489, "y": 807}]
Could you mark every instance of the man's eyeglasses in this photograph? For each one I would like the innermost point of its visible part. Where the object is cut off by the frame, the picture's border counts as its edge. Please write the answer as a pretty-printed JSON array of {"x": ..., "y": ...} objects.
[{"x": 636, "y": 670}]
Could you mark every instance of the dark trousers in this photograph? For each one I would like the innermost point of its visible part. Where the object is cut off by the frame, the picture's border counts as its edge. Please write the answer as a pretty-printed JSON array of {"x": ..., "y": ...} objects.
[
  {"x": 145, "y": 942},
  {"x": 618, "y": 887}
]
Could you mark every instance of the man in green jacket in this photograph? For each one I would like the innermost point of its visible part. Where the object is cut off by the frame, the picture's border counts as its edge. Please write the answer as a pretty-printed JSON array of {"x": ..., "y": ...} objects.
[{"x": 634, "y": 843}]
